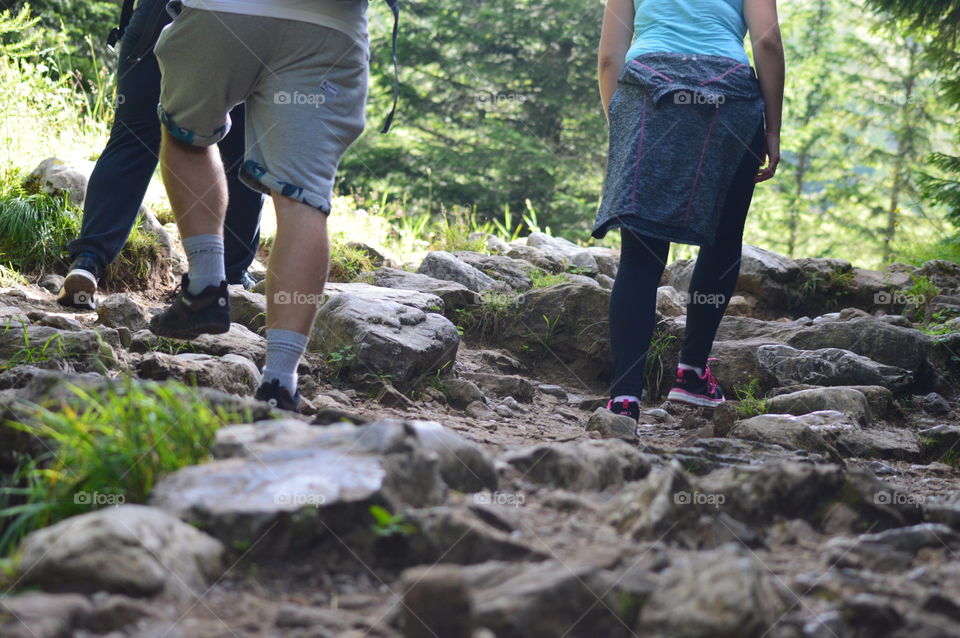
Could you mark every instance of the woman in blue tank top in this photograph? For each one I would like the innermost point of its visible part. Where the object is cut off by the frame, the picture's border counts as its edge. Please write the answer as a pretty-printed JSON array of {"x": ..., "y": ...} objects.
[{"x": 692, "y": 129}]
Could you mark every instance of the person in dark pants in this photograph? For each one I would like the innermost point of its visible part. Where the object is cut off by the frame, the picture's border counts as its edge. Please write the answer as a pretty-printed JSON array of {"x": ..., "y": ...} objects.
[
  {"x": 122, "y": 174},
  {"x": 692, "y": 129}
]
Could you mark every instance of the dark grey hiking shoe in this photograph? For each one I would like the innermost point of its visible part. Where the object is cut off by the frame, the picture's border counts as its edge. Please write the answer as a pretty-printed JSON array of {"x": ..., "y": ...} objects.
[
  {"x": 190, "y": 316},
  {"x": 278, "y": 397},
  {"x": 80, "y": 285}
]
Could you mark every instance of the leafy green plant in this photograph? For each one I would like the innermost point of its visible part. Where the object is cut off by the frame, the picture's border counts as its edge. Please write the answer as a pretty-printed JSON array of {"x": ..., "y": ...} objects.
[
  {"x": 920, "y": 294},
  {"x": 31, "y": 354},
  {"x": 348, "y": 263},
  {"x": 337, "y": 360},
  {"x": 455, "y": 229},
  {"x": 490, "y": 317},
  {"x": 748, "y": 403},
  {"x": 35, "y": 229},
  {"x": 172, "y": 346},
  {"x": 551, "y": 329},
  {"x": 386, "y": 523},
  {"x": 654, "y": 364},
  {"x": 106, "y": 447},
  {"x": 542, "y": 279},
  {"x": 506, "y": 229},
  {"x": 830, "y": 286},
  {"x": 10, "y": 277}
]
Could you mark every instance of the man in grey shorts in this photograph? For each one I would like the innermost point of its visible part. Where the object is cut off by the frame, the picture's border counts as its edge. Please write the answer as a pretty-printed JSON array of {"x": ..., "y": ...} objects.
[{"x": 301, "y": 68}]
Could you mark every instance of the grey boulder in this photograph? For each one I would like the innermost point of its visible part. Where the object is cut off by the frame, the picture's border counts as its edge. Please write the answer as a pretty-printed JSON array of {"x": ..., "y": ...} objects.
[{"x": 130, "y": 549}]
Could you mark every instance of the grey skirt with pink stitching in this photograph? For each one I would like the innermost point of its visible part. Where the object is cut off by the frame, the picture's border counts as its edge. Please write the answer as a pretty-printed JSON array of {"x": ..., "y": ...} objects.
[{"x": 679, "y": 126}]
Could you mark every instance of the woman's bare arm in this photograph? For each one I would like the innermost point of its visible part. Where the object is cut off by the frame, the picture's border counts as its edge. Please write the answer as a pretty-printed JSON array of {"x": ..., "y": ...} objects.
[
  {"x": 761, "y": 17},
  {"x": 615, "y": 39}
]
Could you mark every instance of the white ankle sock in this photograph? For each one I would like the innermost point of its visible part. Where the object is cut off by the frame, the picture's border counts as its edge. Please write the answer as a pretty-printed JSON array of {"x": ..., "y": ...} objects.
[
  {"x": 626, "y": 397},
  {"x": 205, "y": 256},
  {"x": 284, "y": 349}
]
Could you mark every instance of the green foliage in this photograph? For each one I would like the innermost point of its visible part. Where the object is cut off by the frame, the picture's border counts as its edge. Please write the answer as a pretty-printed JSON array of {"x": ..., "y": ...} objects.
[
  {"x": 947, "y": 248},
  {"x": 35, "y": 228},
  {"x": 348, "y": 263},
  {"x": 748, "y": 402},
  {"x": 921, "y": 291},
  {"x": 31, "y": 354},
  {"x": 386, "y": 523},
  {"x": 939, "y": 322},
  {"x": 44, "y": 108},
  {"x": 498, "y": 105},
  {"x": 941, "y": 185},
  {"x": 172, "y": 346},
  {"x": 831, "y": 286},
  {"x": 654, "y": 365},
  {"x": 937, "y": 22},
  {"x": 455, "y": 232},
  {"x": 487, "y": 320},
  {"x": 72, "y": 29},
  {"x": 550, "y": 330},
  {"x": 337, "y": 360},
  {"x": 543, "y": 279},
  {"x": 10, "y": 277},
  {"x": 107, "y": 447}
]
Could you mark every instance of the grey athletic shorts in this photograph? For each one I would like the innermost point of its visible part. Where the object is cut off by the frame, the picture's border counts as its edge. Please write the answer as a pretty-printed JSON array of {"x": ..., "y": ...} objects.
[{"x": 305, "y": 87}]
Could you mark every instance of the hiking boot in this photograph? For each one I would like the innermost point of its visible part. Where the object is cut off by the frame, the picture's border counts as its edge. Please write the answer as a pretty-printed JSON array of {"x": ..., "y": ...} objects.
[
  {"x": 80, "y": 285},
  {"x": 190, "y": 316},
  {"x": 277, "y": 396},
  {"x": 696, "y": 389},
  {"x": 625, "y": 408}
]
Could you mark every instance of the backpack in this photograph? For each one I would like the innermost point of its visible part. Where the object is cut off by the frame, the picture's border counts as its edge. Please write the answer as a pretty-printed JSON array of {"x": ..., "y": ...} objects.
[{"x": 126, "y": 12}]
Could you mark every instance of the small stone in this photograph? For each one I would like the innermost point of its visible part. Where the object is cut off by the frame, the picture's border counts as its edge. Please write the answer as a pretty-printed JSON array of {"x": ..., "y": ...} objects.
[
  {"x": 461, "y": 393},
  {"x": 611, "y": 425},
  {"x": 121, "y": 310},
  {"x": 479, "y": 410},
  {"x": 52, "y": 283},
  {"x": 933, "y": 403},
  {"x": 553, "y": 390},
  {"x": 659, "y": 414},
  {"x": 41, "y": 615},
  {"x": 503, "y": 411},
  {"x": 446, "y": 266},
  {"x": 436, "y": 602},
  {"x": 511, "y": 403}
]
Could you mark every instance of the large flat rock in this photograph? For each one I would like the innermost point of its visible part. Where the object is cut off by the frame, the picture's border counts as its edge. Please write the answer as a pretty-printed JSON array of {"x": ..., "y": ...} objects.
[{"x": 298, "y": 483}]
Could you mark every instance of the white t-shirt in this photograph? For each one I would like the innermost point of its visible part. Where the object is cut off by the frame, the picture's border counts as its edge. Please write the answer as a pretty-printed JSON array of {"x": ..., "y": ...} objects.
[{"x": 348, "y": 16}]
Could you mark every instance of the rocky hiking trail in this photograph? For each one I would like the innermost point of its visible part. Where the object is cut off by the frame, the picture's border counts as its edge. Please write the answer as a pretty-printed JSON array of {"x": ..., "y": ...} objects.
[{"x": 456, "y": 476}]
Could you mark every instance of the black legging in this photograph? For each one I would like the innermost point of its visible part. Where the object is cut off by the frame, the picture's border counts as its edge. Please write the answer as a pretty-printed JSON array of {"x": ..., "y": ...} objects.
[{"x": 633, "y": 302}]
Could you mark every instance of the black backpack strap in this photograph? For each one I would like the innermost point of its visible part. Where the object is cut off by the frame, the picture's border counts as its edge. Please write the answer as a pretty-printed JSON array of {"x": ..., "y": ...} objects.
[
  {"x": 117, "y": 32},
  {"x": 395, "y": 8}
]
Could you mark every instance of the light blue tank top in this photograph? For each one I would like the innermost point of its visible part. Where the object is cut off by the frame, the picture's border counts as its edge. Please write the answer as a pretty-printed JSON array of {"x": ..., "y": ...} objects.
[{"x": 707, "y": 27}]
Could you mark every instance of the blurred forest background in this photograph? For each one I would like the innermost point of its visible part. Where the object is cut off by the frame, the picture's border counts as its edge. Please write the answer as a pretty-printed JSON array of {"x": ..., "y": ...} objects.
[{"x": 500, "y": 122}]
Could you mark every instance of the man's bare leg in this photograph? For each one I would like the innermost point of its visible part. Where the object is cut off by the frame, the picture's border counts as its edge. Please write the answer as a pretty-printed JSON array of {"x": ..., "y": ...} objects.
[
  {"x": 197, "y": 189},
  {"x": 296, "y": 275}
]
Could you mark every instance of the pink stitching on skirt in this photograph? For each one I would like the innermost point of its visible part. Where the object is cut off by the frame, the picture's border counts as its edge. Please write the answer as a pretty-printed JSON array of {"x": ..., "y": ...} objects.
[
  {"x": 696, "y": 178},
  {"x": 636, "y": 168}
]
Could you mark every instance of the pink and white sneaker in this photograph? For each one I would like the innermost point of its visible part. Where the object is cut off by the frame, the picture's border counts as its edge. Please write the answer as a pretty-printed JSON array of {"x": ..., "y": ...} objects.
[{"x": 697, "y": 390}]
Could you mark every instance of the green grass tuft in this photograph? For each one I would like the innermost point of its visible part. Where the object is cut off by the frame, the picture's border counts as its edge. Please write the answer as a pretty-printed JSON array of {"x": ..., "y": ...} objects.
[
  {"x": 748, "y": 403},
  {"x": 106, "y": 448}
]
